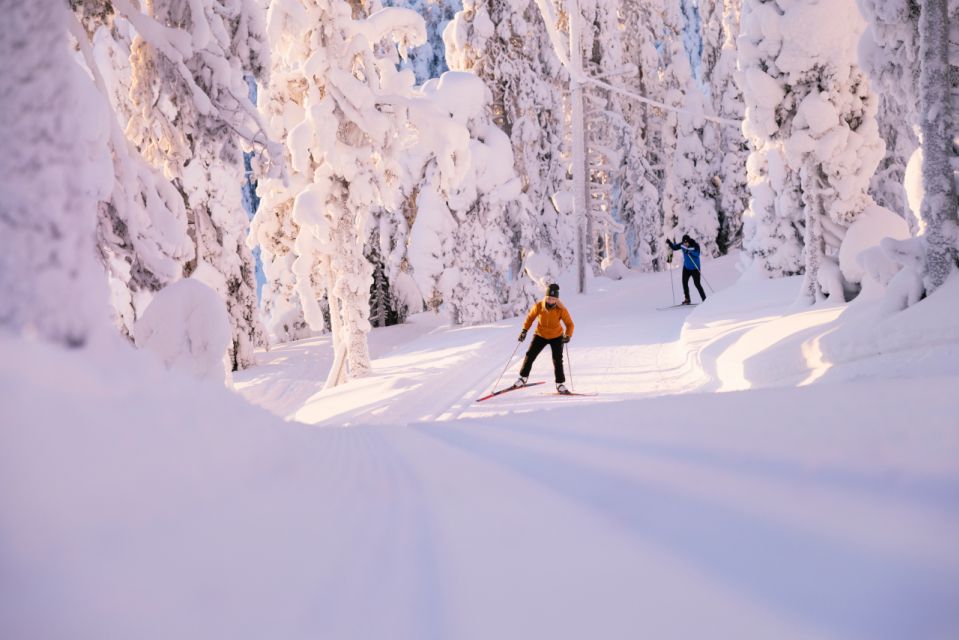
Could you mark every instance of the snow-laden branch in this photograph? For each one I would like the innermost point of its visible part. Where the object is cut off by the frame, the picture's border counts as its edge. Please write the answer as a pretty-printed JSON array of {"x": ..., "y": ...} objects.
[
  {"x": 404, "y": 26},
  {"x": 560, "y": 44},
  {"x": 175, "y": 44},
  {"x": 178, "y": 46},
  {"x": 656, "y": 103},
  {"x": 561, "y": 48}
]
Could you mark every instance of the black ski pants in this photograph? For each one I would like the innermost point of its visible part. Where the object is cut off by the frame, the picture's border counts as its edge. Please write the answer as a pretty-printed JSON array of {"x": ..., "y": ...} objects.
[
  {"x": 538, "y": 344},
  {"x": 694, "y": 274}
]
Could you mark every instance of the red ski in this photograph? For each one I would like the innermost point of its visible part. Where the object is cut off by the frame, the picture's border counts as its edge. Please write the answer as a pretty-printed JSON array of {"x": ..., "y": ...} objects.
[
  {"x": 569, "y": 393},
  {"x": 506, "y": 390}
]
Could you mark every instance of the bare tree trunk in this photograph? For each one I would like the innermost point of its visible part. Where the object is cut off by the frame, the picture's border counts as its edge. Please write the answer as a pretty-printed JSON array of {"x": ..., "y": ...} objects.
[
  {"x": 813, "y": 241},
  {"x": 939, "y": 206},
  {"x": 337, "y": 373},
  {"x": 584, "y": 228}
]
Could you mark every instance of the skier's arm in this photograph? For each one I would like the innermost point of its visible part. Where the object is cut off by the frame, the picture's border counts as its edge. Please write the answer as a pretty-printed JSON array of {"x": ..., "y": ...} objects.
[
  {"x": 673, "y": 245},
  {"x": 568, "y": 322},
  {"x": 531, "y": 317}
]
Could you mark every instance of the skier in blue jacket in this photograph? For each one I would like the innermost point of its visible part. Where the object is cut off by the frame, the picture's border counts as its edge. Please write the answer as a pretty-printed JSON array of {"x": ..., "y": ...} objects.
[{"x": 691, "y": 263}]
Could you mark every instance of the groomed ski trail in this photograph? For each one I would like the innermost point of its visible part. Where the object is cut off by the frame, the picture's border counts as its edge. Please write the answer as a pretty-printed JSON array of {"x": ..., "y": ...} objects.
[{"x": 463, "y": 363}]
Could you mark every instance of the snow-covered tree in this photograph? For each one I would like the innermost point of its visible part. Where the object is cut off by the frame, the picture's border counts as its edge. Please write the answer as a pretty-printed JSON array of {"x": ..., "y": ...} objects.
[
  {"x": 639, "y": 202},
  {"x": 889, "y": 53},
  {"x": 506, "y": 44},
  {"x": 725, "y": 145},
  {"x": 689, "y": 198},
  {"x": 773, "y": 226},
  {"x": 811, "y": 122},
  {"x": 53, "y": 171},
  {"x": 606, "y": 131},
  {"x": 335, "y": 97},
  {"x": 830, "y": 132},
  {"x": 916, "y": 108},
  {"x": 712, "y": 35},
  {"x": 190, "y": 61},
  {"x": 461, "y": 241},
  {"x": 142, "y": 226},
  {"x": 638, "y": 205},
  {"x": 429, "y": 59},
  {"x": 939, "y": 88},
  {"x": 274, "y": 231},
  {"x": 689, "y": 192}
]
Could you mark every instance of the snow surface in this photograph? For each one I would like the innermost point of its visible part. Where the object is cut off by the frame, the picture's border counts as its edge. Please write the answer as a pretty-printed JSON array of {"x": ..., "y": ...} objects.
[{"x": 819, "y": 498}]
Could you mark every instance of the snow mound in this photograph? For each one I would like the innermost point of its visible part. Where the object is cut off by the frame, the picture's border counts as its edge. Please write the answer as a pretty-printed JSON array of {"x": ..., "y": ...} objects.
[
  {"x": 874, "y": 224},
  {"x": 187, "y": 327}
]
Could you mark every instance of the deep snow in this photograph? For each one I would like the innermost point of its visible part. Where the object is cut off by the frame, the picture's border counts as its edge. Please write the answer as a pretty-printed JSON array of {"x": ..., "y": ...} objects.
[{"x": 819, "y": 498}]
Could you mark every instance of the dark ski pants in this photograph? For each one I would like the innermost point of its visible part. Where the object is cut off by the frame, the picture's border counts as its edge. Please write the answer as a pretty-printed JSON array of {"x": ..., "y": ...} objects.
[
  {"x": 538, "y": 344},
  {"x": 694, "y": 273}
]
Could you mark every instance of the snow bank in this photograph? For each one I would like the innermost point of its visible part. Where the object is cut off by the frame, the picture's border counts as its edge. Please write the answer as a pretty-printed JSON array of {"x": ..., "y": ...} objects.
[
  {"x": 874, "y": 224},
  {"x": 125, "y": 490},
  {"x": 752, "y": 335},
  {"x": 187, "y": 327}
]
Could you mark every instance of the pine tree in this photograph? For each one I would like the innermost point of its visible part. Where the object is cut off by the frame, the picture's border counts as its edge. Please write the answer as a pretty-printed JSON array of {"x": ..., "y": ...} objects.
[
  {"x": 53, "y": 171},
  {"x": 505, "y": 43},
  {"x": 689, "y": 193},
  {"x": 690, "y": 196},
  {"x": 462, "y": 241},
  {"x": 773, "y": 226},
  {"x": 889, "y": 54},
  {"x": 639, "y": 202},
  {"x": 833, "y": 140},
  {"x": 725, "y": 145},
  {"x": 606, "y": 130}
]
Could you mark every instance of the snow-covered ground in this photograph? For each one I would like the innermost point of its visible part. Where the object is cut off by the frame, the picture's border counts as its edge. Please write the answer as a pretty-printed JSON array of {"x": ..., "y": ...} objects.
[{"x": 818, "y": 498}]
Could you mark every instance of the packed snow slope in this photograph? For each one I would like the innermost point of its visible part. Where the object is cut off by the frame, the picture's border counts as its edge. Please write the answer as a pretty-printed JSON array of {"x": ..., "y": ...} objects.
[{"x": 818, "y": 498}]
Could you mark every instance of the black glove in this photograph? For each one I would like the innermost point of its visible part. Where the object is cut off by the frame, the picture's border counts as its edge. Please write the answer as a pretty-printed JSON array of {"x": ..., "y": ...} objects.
[
  {"x": 522, "y": 335},
  {"x": 566, "y": 339}
]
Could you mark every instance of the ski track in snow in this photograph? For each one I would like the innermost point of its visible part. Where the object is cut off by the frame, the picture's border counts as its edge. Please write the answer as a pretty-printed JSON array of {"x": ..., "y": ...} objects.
[{"x": 648, "y": 509}]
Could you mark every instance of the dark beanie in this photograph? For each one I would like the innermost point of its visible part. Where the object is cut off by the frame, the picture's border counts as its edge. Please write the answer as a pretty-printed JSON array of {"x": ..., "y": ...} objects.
[
  {"x": 687, "y": 239},
  {"x": 553, "y": 290}
]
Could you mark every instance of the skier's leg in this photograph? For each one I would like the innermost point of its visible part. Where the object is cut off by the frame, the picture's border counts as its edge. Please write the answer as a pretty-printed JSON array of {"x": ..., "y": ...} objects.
[
  {"x": 699, "y": 287},
  {"x": 556, "y": 344},
  {"x": 686, "y": 274},
  {"x": 537, "y": 345}
]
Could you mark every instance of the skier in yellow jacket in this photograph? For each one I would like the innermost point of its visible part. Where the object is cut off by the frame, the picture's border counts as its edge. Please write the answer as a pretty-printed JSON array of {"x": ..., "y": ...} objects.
[{"x": 550, "y": 312}]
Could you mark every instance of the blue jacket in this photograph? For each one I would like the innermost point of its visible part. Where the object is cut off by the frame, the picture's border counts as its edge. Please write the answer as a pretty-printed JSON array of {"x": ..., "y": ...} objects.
[{"x": 690, "y": 255}]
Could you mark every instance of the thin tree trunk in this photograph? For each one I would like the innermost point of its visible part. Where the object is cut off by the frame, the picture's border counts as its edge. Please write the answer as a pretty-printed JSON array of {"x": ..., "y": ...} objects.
[
  {"x": 939, "y": 205},
  {"x": 813, "y": 239},
  {"x": 337, "y": 373}
]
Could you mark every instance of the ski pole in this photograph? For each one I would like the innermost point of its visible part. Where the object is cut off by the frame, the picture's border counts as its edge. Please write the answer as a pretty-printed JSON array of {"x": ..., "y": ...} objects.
[
  {"x": 570, "y": 367},
  {"x": 507, "y": 366},
  {"x": 704, "y": 278},
  {"x": 672, "y": 288}
]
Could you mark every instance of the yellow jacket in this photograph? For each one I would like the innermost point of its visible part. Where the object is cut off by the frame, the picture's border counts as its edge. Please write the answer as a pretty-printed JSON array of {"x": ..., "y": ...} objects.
[{"x": 549, "y": 320}]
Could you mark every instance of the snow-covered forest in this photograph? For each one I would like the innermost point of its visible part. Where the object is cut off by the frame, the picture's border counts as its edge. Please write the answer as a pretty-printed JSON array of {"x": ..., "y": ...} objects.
[{"x": 221, "y": 220}]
